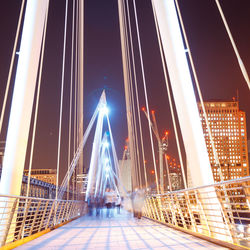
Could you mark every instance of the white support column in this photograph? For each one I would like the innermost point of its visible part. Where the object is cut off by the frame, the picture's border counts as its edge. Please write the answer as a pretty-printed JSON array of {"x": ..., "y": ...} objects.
[
  {"x": 183, "y": 92},
  {"x": 187, "y": 111},
  {"x": 23, "y": 95}
]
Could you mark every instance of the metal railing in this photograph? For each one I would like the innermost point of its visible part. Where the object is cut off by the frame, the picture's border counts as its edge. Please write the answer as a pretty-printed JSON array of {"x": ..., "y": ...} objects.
[
  {"x": 23, "y": 216},
  {"x": 220, "y": 211}
]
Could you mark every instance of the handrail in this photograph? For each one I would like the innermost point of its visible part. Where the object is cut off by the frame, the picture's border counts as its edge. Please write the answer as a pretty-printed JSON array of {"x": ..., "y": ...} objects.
[
  {"x": 22, "y": 216},
  {"x": 220, "y": 210}
]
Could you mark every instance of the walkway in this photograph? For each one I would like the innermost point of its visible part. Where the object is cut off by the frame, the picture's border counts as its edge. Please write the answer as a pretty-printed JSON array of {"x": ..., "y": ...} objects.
[{"x": 119, "y": 232}]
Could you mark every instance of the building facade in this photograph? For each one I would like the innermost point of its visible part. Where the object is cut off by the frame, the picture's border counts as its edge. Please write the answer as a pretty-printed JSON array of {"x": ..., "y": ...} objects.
[
  {"x": 46, "y": 175},
  {"x": 228, "y": 128}
]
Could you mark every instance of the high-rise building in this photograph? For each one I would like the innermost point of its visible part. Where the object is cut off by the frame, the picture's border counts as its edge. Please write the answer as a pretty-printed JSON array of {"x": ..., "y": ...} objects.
[{"x": 228, "y": 128}]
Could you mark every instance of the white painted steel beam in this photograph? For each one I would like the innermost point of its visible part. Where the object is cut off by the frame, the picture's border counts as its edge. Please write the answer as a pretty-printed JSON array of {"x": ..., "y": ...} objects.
[
  {"x": 23, "y": 95},
  {"x": 183, "y": 92}
]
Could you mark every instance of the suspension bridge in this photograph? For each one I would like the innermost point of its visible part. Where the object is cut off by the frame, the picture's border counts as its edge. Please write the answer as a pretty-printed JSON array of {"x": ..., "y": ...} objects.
[{"x": 203, "y": 214}]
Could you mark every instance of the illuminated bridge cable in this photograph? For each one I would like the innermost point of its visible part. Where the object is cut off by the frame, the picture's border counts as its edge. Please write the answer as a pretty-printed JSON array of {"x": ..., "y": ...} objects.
[
  {"x": 77, "y": 154},
  {"x": 126, "y": 88},
  {"x": 240, "y": 62},
  {"x": 11, "y": 66},
  {"x": 137, "y": 98},
  {"x": 37, "y": 102},
  {"x": 75, "y": 92},
  {"x": 71, "y": 88},
  {"x": 170, "y": 101},
  {"x": 145, "y": 94},
  {"x": 134, "y": 120},
  {"x": 130, "y": 88},
  {"x": 61, "y": 99},
  {"x": 215, "y": 154}
]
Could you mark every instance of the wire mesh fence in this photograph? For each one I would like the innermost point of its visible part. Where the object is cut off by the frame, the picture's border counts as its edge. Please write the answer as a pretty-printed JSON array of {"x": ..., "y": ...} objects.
[
  {"x": 24, "y": 216},
  {"x": 219, "y": 211}
]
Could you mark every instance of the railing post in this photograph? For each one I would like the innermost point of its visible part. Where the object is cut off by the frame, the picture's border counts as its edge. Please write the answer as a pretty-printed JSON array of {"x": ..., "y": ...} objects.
[
  {"x": 65, "y": 210},
  {"x": 26, "y": 211},
  {"x": 70, "y": 209},
  {"x": 179, "y": 209},
  {"x": 155, "y": 208},
  {"x": 50, "y": 214},
  {"x": 57, "y": 220},
  {"x": 11, "y": 216},
  {"x": 35, "y": 216},
  {"x": 44, "y": 214},
  {"x": 227, "y": 214},
  {"x": 170, "y": 199},
  {"x": 193, "y": 221},
  {"x": 166, "y": 212},
  {"x": 152, "y": 208},
  {"x": 199, "y": 201}
]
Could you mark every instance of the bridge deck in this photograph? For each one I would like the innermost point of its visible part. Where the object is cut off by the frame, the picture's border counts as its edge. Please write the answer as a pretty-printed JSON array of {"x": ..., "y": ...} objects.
[{"x": 120, "y": 232}]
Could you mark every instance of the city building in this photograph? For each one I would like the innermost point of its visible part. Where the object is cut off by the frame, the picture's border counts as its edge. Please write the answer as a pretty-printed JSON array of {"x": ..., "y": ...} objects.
[
  {"x": 228, "y": 128},
  {"x": 46, "y": 175}
]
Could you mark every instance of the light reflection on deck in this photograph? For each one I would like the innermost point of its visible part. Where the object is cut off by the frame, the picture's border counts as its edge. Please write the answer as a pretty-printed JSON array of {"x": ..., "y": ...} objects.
[{"x": 119, "y": 232}]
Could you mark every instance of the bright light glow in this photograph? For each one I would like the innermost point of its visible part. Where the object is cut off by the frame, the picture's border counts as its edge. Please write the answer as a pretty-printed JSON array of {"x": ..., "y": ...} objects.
[
  {"x": 107, "y": 160},
  {"x": 107, "y": 175},
  {"x": 104, "y": 110},
  {"x": 106, "y": 144}
]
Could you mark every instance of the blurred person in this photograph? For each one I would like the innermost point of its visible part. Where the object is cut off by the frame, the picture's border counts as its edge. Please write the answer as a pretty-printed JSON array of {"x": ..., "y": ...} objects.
[
  {"x": 108, "y": 201},
  {"x": 138, "y": 197},
  {"x": 118, "y": 204}
]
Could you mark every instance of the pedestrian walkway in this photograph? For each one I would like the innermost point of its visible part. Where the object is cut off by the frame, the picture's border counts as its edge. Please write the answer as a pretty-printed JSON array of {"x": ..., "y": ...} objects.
[{"x": 119, "y": 232}]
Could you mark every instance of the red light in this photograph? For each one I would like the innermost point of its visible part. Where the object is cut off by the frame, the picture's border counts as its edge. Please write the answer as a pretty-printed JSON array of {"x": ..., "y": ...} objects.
[
  {"x": 166, "y": 133},
  {"x": 152, "y": 111},
  {"x": 143, "y": 108},
  {"x": 152, "y": 172},
  {"x": 126, "y": 147}
]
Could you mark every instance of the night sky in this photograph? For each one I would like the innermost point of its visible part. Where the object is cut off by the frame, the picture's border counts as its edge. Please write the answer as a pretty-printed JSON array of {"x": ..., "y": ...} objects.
[{"x": 216, "y": 65}]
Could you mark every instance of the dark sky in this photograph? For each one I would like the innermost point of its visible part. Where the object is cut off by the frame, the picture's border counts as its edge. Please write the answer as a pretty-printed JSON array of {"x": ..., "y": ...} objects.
[{"x": 215, "y": 62}]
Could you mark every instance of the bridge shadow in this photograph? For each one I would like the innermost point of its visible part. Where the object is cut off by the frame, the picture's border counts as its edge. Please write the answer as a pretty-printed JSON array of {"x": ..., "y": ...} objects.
[{"x": 121, "y": 231}]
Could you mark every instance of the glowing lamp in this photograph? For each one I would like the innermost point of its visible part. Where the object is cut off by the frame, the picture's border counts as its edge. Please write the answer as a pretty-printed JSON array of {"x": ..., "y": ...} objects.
[
  {"x": 104, "y": 110},
  {"x": 106, "y": 144},
  {"x": 143, "y": 108}
]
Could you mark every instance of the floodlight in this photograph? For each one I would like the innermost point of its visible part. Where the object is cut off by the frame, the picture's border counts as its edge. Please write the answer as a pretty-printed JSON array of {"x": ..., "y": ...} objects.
[
  {"x": 107, "y": 175},
  {"x": 107, "y": 160},
  {"x": 104, "y": 110},
  {"x": 106, "y": 144},
  {"x": 107, "y": 169}
]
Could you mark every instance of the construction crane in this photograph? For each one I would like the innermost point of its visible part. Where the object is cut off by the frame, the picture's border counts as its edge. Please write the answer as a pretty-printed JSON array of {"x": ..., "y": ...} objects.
[{"x": 162, "y": 145}]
